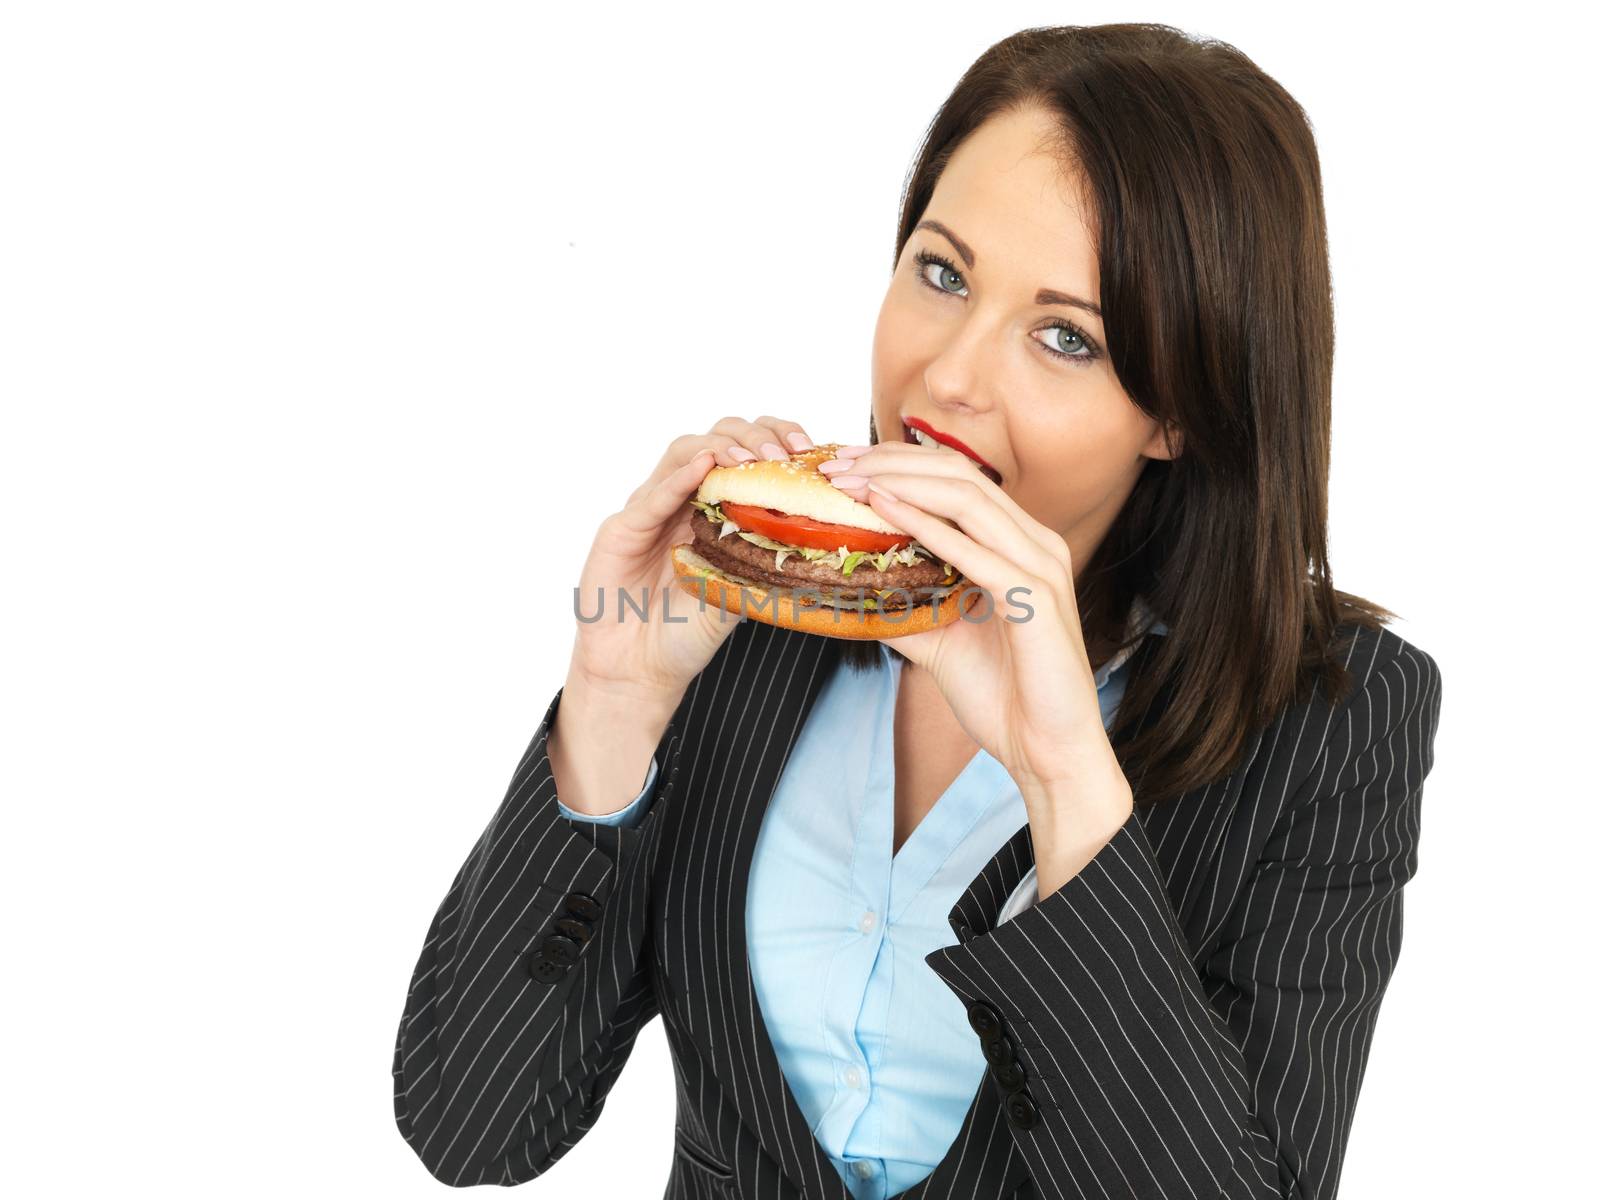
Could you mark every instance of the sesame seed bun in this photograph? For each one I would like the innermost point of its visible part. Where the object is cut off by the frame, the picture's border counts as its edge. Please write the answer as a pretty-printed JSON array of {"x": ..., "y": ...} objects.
[{"x": 792, "y": 485}]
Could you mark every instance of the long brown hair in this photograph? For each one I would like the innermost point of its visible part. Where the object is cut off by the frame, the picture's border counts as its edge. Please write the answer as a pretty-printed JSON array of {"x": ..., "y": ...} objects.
[{"x": 1206, "y": 194}]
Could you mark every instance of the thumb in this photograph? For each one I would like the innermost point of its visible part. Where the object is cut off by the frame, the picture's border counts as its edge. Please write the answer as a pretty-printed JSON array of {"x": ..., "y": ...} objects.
[{"x": 917, "y": 647}]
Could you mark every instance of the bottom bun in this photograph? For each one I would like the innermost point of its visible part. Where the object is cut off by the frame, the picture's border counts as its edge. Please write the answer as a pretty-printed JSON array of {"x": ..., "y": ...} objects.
[{"x": 781, "y": 607}]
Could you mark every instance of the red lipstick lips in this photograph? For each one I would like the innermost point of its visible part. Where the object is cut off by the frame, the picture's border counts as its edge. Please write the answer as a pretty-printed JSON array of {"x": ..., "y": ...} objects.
[{"x": 944, "y": 439}]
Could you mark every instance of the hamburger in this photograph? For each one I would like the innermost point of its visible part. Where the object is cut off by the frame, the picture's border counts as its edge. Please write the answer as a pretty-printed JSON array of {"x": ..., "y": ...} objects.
[{"x": 776, "y": 541}]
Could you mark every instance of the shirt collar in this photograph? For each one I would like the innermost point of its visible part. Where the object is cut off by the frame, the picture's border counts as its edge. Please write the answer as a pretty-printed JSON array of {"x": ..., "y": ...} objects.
[{"x": 1141, "y": 621}]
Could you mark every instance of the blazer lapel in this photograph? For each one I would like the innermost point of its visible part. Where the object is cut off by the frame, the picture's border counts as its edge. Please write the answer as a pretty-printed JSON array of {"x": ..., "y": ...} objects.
[
  {"x": 1198, "y": 837},
  {"x": 764, "y": 729}
]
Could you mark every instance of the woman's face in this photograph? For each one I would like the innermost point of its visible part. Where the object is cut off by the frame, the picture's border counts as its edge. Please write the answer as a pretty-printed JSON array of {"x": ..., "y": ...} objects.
[{"x": 977, "y": 350}]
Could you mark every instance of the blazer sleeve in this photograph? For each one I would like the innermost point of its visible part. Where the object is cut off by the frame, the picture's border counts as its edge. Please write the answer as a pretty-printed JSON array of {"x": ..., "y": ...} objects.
[
  {"x": 503, "y": 1059},
  {"x": 1157, "y": 1077}
]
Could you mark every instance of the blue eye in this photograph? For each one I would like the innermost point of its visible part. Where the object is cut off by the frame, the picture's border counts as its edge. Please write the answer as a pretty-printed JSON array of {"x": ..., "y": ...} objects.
[
  {"x": 927, "y": 258},
  {"x": 1086, "y": 351}
]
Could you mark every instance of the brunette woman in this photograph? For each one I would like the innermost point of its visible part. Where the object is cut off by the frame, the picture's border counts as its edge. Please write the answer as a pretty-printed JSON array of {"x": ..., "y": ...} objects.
[{"x": 1100, "y": 901}]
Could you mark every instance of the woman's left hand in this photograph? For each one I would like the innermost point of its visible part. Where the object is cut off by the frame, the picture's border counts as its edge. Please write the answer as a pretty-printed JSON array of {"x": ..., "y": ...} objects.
[{"x": 1019, "y": 681}]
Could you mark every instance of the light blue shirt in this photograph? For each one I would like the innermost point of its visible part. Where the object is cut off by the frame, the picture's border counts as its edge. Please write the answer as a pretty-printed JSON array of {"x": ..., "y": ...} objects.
[{"x": 874, "y": 1045}]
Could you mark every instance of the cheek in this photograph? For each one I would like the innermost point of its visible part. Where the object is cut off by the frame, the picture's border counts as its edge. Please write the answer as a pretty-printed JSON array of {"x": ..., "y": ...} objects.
[
  {"x": 1076, "y": 458},
  {"x": 1065, "y": 477},
  {"x": 901, "y": 344}
]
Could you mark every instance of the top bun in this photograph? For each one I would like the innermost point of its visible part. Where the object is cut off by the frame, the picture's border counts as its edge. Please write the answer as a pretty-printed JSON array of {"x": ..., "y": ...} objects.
[{"x": 792, "y": 485}]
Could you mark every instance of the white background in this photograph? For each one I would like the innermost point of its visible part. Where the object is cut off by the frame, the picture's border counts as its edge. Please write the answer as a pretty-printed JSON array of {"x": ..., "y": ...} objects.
[{"x": 330, "y": 333}]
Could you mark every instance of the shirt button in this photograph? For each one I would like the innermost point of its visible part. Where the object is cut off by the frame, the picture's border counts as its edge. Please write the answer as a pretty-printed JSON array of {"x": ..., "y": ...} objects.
[
  {"x": 863, "y": 1169},
  {"x": 868, "y": 921},
  {"x": 853, "y": 1077}
]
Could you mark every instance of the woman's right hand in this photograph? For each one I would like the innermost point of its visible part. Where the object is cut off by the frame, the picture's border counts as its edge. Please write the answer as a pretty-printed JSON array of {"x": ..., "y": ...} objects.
[{"x": 646, "y": 658}]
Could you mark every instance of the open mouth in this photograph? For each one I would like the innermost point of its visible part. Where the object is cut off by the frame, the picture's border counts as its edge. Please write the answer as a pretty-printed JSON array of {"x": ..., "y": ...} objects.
[{"x": 921, "y": 437}]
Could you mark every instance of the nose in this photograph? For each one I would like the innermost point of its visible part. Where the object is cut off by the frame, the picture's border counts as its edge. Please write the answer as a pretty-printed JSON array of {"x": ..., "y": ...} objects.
[
  {"x": 956, "y": 406},
  {"x": 955, "y": 378}
]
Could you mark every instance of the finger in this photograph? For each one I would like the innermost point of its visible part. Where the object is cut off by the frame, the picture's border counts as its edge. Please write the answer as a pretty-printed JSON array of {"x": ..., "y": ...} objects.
[
  {"x": 995, "y": 544},
  {"x": 729, "y": 452},
  {"x": 760, "y": 440},
  {"x": 730, "y": 446},
  {"x": 904, "y": 457},
  {"x": 790, "y": 435}
]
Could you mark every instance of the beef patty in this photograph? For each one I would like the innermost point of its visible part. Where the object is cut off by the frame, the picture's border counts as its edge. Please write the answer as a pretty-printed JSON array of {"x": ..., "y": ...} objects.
[{"x": 740, "y": 557}]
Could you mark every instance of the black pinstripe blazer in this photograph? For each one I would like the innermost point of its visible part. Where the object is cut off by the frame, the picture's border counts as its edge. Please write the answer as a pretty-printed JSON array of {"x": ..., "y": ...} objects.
[{"x": 1191, "y": 1014}]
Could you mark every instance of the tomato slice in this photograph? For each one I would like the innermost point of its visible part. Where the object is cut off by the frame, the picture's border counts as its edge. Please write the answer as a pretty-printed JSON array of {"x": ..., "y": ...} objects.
[{"x": 804, "y": 531}]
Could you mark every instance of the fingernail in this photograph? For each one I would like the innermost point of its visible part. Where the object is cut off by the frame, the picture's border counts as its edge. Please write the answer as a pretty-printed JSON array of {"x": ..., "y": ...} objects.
[
  {"x": 800, "y": 441},
  {"x": 833, "y": 464},
  {"x": 848, "y": 481},
  {"x": 851, "y": 451},
  {"x": 881, "y": 490},
  {"x": 740, "y": 453},
  {"x": 773, "y": 450}
]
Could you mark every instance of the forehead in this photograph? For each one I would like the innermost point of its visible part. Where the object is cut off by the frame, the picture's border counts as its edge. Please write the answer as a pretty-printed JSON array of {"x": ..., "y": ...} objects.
[{"x": 1007, "y": 193}]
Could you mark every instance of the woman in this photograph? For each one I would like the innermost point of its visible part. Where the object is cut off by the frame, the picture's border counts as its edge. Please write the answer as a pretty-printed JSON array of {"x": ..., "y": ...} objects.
[{"x": 1137, "y": 858}]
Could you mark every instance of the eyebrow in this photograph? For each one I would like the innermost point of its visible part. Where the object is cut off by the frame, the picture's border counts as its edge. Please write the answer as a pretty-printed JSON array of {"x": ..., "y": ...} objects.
[{"x": 1044, "y": 296}]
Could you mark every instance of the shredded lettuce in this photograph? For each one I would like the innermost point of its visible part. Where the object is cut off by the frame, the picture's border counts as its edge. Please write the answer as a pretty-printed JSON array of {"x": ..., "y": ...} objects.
[
  {"x": 761, "y": 540},
  {"x": 842, "y": 560},
  {"x": 714, "y": 515}
]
